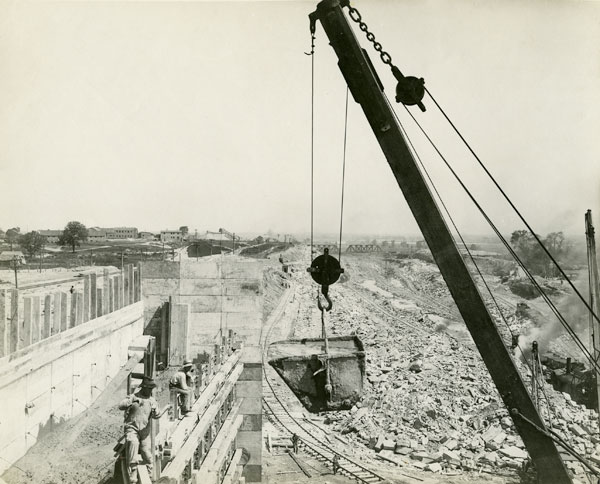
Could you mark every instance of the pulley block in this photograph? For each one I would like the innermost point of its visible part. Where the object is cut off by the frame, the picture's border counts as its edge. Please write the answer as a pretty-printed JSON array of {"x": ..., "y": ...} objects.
[
  {"x": 409, "y": 90},
  {"x": 325, "y": 269}
]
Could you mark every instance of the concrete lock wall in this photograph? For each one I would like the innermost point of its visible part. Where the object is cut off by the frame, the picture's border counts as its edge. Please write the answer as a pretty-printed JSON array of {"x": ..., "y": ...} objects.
[
  {"x": 210, "y": 297},
  {"x": 31, "y": 315},
  {"x": 58, "y": 377},
  {"x": 249, "y": 389}
]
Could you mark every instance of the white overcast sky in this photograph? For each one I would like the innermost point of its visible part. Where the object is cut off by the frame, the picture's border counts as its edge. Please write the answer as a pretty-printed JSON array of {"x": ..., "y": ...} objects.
[{"x": 161, "y": 114}]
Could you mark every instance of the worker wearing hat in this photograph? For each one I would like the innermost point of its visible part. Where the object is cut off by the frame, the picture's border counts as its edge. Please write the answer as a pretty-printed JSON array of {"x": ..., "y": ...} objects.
[
  {"x": 139, "y": 408},
  {"x": 181, "y": 382}
]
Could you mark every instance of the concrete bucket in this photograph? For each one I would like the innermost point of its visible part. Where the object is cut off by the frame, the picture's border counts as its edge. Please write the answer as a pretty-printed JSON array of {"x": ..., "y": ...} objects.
[{"x": 325, "y": 374}]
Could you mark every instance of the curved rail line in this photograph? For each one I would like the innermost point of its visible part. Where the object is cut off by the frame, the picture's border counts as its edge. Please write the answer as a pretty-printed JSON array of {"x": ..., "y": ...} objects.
[{"x": 277, "y": 412}]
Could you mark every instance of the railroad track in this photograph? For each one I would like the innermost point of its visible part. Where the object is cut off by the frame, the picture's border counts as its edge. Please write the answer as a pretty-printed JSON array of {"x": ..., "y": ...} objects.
[{"x": 274, "y": 390}]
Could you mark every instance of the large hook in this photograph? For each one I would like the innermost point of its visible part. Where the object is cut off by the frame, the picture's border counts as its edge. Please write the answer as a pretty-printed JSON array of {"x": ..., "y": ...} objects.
[{"x": 325, "y": 292}]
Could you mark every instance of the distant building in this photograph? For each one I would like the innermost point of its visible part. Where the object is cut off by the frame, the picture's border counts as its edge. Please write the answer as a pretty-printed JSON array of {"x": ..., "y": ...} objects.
[
  {"x": 122, "y": 233},
  {"x": 8, "y": 256},
  {"x": 96, "y": 234},
  {"x": 51, "y": 236},
  {"x": 168, "y": 236},
  {"x": 146, "y": 235}
]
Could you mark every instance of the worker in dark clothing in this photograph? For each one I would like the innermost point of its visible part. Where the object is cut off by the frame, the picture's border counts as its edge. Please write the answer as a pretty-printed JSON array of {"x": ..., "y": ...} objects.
[
  {"x": 336, "y": 463},
  {"x": 295, "y": 442},
  {"x": 139, "y": 408},
  {"x": 182, "y": 383}
]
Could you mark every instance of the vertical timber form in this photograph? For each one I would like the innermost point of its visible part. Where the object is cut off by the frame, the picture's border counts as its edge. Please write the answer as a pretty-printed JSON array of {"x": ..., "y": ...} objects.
[
  {"x": 365, "y": 89},
  {"x": 594, "y": 294}
]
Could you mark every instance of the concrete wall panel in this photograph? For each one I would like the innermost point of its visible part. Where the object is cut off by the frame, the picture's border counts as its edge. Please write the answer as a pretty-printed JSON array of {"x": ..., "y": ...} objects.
[
  {"x": 160, "y": 270},
  {"x": 242, "y": 287},
  {"x": 200, "y": 287},
  {"x": 38, "y": 381},
  {"x": 242, "y": 304},
  {"x": 161, "y": 286},
  {"x": 14, "y": 397},
  {"x": 241, "y": 269},
  {"x": 200, "y": 270}
]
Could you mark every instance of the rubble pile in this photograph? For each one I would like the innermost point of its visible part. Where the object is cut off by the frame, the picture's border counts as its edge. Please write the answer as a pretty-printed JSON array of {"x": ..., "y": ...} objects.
[{"x": 428, "y": 400}]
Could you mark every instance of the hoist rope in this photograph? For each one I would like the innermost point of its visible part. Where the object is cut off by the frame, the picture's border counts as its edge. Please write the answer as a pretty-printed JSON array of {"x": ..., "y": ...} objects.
[
  {"x": 551, "y": 434},
  {"x": 556, "y": 312},
  {"x": 312, "y": 138},
  {"x": 507, "y": 198},
  {"x": 496, "y": 304},
  {"x": 343, "y": 176}
]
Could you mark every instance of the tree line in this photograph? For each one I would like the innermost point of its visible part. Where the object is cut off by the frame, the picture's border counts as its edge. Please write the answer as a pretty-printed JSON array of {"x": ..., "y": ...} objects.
[
  {"x": 534, "y": 257},
  {"x": 33, "y": 242}
]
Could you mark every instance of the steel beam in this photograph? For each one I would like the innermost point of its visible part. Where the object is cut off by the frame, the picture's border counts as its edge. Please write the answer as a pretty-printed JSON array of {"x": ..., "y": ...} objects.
[{"x": 362, "y": 81}]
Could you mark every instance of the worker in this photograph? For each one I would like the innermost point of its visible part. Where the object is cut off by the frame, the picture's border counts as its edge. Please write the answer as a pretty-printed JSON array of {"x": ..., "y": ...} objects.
[
  {"x": 336, "y": 463},
  {"x": 295, "y": 442},
  {"x": 139, "y": 408},
  {"x": 182, "y": 383}
]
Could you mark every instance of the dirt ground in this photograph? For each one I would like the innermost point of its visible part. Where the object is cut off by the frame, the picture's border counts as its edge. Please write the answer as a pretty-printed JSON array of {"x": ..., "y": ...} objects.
[{"x": 81, "y": 449}]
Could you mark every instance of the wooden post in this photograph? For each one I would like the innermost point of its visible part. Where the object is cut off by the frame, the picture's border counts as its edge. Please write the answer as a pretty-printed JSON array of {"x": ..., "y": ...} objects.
[
  {"x": 79, "y": 308},
  {"x": 93, "y": 296},
  {"x": 47, "y": 316},
  {"x": 594, "y": 295},
  {"x": 63, "y": 311},
  {"x": 26, "y": 328},
  {"x": 73, "y": 314},
  {"x": 99, "y": 302},
  {"x": 126, "y": 283},
  {"x": 86, "y": 298},
  {"x": 367, "y": 91},
  {"x": 15, "y": 326},
  {"x": 36, "y": 313},
  {"x": 131, "y": 283},
  {"x": 105, "y": 292},
  {"x": 111, "y": 295},
  {"x": 4, "y": 327},
  {"x": 57, "y": 313}
]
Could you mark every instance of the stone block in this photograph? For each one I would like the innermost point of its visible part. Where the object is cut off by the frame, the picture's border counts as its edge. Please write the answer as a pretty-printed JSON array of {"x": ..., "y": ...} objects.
[
  {"x": 513, "y": 452},
  {"x": 434, "y": 467},
  {"x": 451, "y": 457}
]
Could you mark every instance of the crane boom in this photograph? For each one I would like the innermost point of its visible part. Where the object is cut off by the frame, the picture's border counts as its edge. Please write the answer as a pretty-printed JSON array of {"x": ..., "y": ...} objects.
[
  {"x": 367, "y": 91},
  {"x": 229, "y": 234}
]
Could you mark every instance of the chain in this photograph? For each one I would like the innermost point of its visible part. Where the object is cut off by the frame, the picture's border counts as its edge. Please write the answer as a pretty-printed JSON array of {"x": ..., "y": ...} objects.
[{"x": 356, "y": 17}]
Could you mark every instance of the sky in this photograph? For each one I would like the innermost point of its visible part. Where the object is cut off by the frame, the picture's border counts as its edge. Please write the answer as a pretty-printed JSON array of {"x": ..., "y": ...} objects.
[{"x": 162, "y": 114}]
